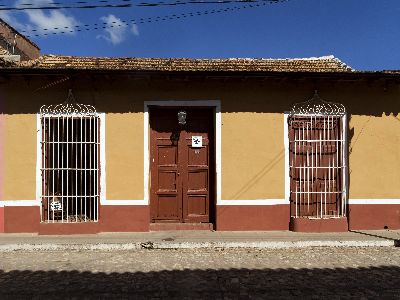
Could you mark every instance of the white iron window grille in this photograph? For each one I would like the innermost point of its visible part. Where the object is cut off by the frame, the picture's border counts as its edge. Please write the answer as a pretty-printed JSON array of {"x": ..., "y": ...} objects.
[
  {"x": 70, "y": 168},
  {"x": 318, "y": 159}
]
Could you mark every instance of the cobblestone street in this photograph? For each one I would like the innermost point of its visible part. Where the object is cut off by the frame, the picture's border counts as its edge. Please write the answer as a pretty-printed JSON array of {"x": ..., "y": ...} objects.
[{"x": 332, "y": 273}]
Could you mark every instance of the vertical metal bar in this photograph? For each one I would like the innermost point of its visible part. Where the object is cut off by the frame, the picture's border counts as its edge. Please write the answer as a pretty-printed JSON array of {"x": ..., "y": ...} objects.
[
  {"x": 51, "y": 162},
  {"x": 58, "y": 157},
  {"x": 74, "y": 154},
  {"x": 320, "y": 168},
  {"x": 98, "y": 187},
  {"x": 292, "y": 146},
  {"x": 300, "y": 171},
  {"x": 294, "y": 162},
  {"x": 67, "y": 169},
  {"x": 95, "y": 168},
  {"x": 334, "y": 167},
  {"x": 85, "y": 164},
  {"x": 299, "y": 163},
  {"x": 76, "y": 168},
  {"x": 54, "y": 165},
  {"x": 90, "y": 168},
  {"x": 324, "y": 143},
  {"x": 303, "y": 162},
  {"x": 61, "y": 155},
  {"x": 312, "y": 157},
  {"x": 72, "y": 165},
  {"x": 58, "y": 163},
  {"x": 339, "y": 165},
  {"x": 81, "y": 173},
  {"x": 329, "y": 161},
  {"x": 308, "y": 169},
  {"x": 340, "y": 162},
  {"x": 317, "y": 166},
  {"x": 296, "y": 159},
  {"x": 44, "y": 162},
  {"x": 338, "y": 169},
  {"x": 343, "y": 134}
]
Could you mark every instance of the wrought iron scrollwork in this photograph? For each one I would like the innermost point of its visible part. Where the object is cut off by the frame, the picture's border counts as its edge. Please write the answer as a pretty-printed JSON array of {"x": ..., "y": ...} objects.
[
  {"x": 317, "y": 106},
  {"x": 68, "y": 107}
]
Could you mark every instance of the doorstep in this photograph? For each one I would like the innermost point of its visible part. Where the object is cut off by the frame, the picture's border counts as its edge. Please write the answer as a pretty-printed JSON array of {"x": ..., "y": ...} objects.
[
  {"x": 180, "y": 226},
  {"x": 318, "y": 225}
]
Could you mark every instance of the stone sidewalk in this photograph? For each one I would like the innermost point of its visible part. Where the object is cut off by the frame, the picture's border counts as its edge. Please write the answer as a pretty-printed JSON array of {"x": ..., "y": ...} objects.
[
  {"x": 294, "y": 273},
  {"x": 198, "y": 240}
]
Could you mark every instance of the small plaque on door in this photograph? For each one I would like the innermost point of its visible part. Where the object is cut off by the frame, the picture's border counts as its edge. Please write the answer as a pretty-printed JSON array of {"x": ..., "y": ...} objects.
[{"x": 197, "y": 141}]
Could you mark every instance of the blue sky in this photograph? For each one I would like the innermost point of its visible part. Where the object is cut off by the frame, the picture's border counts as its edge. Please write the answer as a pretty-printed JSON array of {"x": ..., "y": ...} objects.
[{"x": 364, "y": 34}]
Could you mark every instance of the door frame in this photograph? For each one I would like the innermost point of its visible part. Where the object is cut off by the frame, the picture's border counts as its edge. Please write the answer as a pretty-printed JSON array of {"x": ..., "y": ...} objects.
[{"x": 216, "y": 105}]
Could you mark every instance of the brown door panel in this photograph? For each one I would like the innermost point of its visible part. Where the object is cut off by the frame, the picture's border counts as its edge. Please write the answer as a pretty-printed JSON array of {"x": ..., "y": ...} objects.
[
  {"x": 165, "y": 198},
  {"x": 180, "y": 174},
  {"x": 197, "y": 180}
]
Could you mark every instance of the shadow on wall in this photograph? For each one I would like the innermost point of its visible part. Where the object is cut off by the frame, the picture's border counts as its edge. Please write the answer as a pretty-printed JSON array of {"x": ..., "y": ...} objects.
[
  {"x": 115, "y": 93},
  {"x": 267, "y": 168},
  {"x": 355, "y": 283}
]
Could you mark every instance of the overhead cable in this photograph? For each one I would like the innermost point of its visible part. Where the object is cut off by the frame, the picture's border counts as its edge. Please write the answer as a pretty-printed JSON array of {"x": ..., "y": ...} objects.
[
  {"x": 53, "y": 6},
  {"x": 123, "y": 23}
]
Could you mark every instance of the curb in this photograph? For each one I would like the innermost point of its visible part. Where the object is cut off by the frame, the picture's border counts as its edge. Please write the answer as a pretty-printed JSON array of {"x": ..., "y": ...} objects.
[{"x": 192, "y": 245}]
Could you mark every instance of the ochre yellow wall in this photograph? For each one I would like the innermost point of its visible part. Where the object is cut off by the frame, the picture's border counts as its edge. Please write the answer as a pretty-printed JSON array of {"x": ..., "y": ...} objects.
[
  {"x": 19, "y": 150},
  {"x": 124, "y": 156},
  {"x": 252, "y": 131},
  {"x": 253, "y": 156},
  {"x": 375, "y": 157}
]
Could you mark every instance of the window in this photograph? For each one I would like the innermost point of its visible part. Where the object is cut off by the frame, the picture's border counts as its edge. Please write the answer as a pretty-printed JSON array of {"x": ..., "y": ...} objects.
[
  {"x": 317, "y": 159},
  {"x": 70, "y": 167}
]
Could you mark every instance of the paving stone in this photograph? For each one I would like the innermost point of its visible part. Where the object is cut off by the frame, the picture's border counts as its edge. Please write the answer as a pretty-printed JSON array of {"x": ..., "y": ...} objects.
[{"x": 313, "y": 273}]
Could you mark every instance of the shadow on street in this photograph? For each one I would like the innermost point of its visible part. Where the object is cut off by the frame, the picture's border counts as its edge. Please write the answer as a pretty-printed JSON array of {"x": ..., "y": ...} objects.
[{"x": 336, "y": 283}]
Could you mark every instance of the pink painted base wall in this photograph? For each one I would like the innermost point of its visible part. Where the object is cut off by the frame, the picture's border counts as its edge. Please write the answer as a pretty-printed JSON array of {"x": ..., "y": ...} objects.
[
  {"x": 1, "y": 219},
  {"x": 228, "y": 218},
  {"x": 120, "y": 218},
  {"x": 252, "y": 217},
  {"x": 21, "y": 219},
  {"x": 319, "y": 225},
  {"x": 374, "y": 216},
  {"x": 26, "y": 219}
]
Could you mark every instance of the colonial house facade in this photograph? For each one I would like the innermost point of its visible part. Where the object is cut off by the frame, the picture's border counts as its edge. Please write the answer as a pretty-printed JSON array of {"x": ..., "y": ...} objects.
[{"x": 92, "y": 145}]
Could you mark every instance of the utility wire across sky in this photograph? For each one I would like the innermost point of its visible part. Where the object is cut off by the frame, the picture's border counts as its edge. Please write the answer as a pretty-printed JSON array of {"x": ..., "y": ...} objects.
[
  {"x": 64, "y": 6},
  {"x": 122, "y": 23},
  {"x": 122, "y": 4}
]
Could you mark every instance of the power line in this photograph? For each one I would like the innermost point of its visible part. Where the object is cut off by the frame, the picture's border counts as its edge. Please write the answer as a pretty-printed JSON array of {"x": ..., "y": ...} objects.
[
  {"x": 63, "y": 6},
  {"x": 122, "y": 5},
  {"x": 123, "y": 23},
  {"x": 70, "y": 2}
]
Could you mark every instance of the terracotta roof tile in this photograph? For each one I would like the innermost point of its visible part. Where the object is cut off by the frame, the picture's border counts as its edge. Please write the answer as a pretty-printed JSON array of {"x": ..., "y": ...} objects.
[
  {"x": 4, "y": 51},
  {"x": 391, "y": 71},
  {"x": 315, "y": 64}
]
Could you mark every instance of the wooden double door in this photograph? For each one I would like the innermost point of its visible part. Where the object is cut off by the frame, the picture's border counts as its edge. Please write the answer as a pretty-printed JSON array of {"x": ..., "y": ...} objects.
[{"x": 182, "y": 173}]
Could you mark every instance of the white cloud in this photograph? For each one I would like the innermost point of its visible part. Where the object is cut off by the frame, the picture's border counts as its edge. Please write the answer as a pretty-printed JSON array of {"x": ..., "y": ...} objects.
[
  {"x": 135, "y": 29},
  {"x": 116, "y": 32},
  {"x": 53, "y": 20},
  {"x": 40, "y": 20}
]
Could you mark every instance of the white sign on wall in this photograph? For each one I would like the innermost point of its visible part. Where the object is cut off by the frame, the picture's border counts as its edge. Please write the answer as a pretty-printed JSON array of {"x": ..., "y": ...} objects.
[{"x": 197, "y": 141}]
